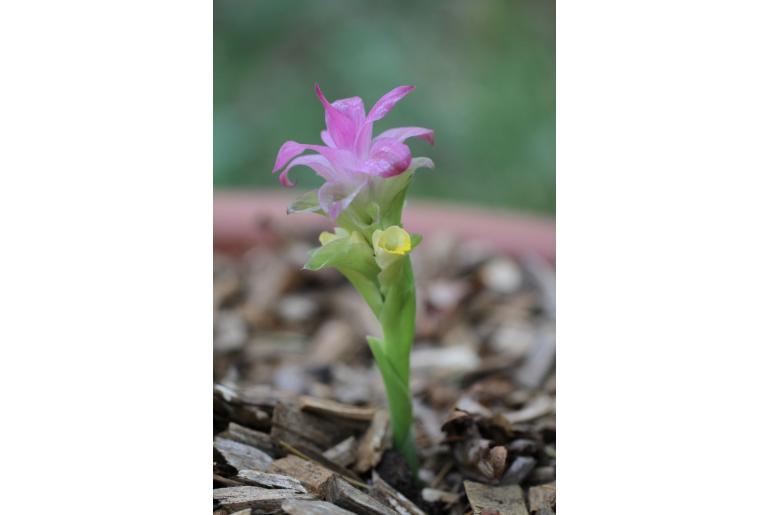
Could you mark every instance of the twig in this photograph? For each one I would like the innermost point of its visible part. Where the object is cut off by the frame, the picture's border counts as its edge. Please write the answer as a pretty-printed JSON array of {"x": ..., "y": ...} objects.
[{"x": 441, "y": 474}]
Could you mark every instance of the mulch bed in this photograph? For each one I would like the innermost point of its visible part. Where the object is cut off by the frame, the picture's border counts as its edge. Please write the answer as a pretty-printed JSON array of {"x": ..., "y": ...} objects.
[{"x": 300, "y": 424}]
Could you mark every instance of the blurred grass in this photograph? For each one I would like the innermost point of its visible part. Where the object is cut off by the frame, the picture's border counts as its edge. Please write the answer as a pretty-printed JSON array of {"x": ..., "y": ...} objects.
[{"x": 484, "y": 72}]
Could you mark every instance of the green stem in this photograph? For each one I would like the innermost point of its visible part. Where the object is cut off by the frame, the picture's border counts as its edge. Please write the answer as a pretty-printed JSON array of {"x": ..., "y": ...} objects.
[
  {"x": 399, "y": 402},
  {"x": 397, "y": 318}
]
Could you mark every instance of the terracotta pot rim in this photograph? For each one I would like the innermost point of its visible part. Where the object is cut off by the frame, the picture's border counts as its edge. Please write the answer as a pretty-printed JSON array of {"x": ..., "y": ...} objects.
[{"x": 518, "y": 234}]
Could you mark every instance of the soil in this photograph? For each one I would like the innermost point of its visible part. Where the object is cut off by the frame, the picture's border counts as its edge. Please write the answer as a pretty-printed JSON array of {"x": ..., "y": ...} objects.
[{"x": 300, "y": 424}]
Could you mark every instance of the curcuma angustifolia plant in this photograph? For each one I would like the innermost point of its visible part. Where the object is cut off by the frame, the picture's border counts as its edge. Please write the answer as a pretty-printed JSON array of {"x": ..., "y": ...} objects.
[{"x": 366, "y": 180}]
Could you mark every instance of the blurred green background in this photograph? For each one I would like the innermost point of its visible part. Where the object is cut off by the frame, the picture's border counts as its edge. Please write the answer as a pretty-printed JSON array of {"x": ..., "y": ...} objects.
[{"x": 484, "y": 72}]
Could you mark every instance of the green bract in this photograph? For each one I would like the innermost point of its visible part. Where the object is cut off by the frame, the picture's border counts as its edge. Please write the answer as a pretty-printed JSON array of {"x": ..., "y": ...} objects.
[{"x": 305, "y": 203}]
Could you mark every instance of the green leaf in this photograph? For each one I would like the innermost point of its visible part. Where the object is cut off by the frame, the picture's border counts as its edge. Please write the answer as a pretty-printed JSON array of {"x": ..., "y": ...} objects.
[
  {"x": 344, "y": 253},
  {"x": 305, "y": 203},
  {"x": 355, "y": 260},
  {"x": 367, "y": 288}
]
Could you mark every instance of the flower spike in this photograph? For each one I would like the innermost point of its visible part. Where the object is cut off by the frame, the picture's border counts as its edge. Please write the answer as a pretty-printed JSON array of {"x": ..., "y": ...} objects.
[{"x": 365, "y": 184}]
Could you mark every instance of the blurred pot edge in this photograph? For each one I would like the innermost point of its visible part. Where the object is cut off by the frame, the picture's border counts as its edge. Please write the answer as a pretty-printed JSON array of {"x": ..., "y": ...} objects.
[{"x": 239, "y": 217}]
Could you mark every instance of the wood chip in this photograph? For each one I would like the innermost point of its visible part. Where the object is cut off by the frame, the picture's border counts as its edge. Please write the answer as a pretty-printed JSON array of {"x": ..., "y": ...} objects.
[
  {"x": 441, "y": 361},
  {"x": 313, "y": 508},
  {"x": 245, "y": 435},
  {"x": 335, "y": 409},
  {"x": 457, "y": 424},
  {"x": 229, "y": 405},
  {"x": 498, "y": 500},
  {"x": 498, "y": 457},
  {"x": 491, "y": 464},
  {"x": 346, "y": 495},
  {"x": 542, "y": 475},
  {"x": 393, "y": 498},
  {"x": 445, "y": 295},
  {"x": 272, "y": 346},
  {"x": 314, "y": 477},
  {"x": 540, "y": 360},
  {"x": 230, "y": 332},
  {"x": 524, "y": 447},
  {"x": 227, "y": 282},
  {"x": 267, "y": 480},
  {"x": 543, "y": 496},
  {"x": 262, "y": 396},
  {"x": 297, "y": 310},
  {"x": 242, "y": 456},
  {"x": 222, "y": 481},
  {"x": 352, "y": 385},
  {"x": 472, "y": 455},
  {"x": 344, "y": 453},
  {"x": 434, "y": 495},
  {"x": 427, "y": 425},
  {"x": 276, "y": 276},
  {"x": 513, "y": 339},
  {"x": 237, "y": 498},
  {"x": 540, "y": 406},
  {"x": 333, "y": 342},
  {"x": 501, "y": 275},
  {"x": 519, "y": 470},
  {"x": 543, "y": 275},
  {"x": 249, "y": 416},
  {"x": 546, "y": 429},
  {"x": 374, "y": 443},
  {"x": 469, "y": 405},
  {"x": 302, "y": 429},
  {"x": 309, "y": 454}
]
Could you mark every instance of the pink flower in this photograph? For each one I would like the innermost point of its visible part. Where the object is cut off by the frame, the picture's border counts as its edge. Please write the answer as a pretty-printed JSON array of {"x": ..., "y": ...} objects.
[{"x": 350, "y": 157}]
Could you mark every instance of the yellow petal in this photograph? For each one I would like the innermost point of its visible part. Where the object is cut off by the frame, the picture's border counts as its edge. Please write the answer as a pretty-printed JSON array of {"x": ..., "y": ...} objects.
[{"x": 393, "y": 240}]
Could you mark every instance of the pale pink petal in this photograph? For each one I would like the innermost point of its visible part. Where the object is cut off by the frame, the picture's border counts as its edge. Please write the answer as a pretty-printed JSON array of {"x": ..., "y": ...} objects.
[
  {"x": 327, "y": 139},
  {"x": 353, "y": 108},
  {"x": 341, "y": 161},
  {"x": 378, "y": 111},
  {"x": 288, "y": 151},
  {"x": 317, "y": 163},
  {"x": 335, "y": 198},
  {"x": 341, "y": 125},
  {"x": 388, "y": 157},
  {"x": 421, "y": 162},
  {"x": 386, "y": 103},
  {"x": 364, "y": 140},
  {"x": 403, "y": 133}
]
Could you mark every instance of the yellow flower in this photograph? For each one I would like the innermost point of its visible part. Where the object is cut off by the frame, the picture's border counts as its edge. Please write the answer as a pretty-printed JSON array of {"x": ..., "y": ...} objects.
[
  {"x": 390, "y": 244},
  {"x": 339, "y": 233}
]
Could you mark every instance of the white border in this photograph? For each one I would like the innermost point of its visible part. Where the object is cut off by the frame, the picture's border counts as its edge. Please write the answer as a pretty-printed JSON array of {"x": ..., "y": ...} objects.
[
  {"x": 106, "y": 286},
  {"x": 662, "y": 256},
  {"x": 663, "y": 260}
]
